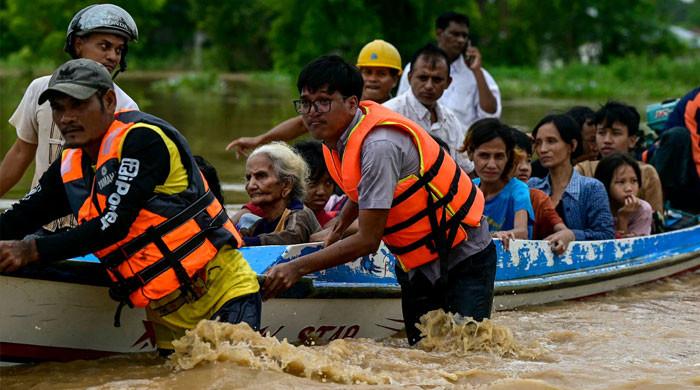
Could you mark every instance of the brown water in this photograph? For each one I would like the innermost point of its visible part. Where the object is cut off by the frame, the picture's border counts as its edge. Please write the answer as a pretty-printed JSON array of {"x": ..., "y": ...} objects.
[
  {"x": 640, "y": 338},
  {"x": 644, "y": 337},
  {"x": 231, "y": 107}
]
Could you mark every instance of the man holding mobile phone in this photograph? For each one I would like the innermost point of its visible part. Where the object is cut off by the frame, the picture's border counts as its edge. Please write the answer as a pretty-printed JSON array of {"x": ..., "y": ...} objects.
[{"x": 473, "y": 93}]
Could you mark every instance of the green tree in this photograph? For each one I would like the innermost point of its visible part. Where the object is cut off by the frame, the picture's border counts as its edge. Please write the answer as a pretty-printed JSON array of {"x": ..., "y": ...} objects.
[{"x": 237, "y": 33}]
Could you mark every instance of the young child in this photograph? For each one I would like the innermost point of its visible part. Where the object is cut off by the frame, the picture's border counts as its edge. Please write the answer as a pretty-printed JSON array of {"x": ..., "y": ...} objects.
[
  {"x": 622, "y": 177},
  {"x": 320, "y": 186}
]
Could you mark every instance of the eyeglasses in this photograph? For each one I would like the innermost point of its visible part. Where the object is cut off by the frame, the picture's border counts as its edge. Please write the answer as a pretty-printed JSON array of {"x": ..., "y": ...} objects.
[{"x": 304, "y": 106}]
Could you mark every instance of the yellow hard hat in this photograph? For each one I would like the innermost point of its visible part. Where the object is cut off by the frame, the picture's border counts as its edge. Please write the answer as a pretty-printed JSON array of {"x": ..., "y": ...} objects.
[{"x": 379, "y": 53}]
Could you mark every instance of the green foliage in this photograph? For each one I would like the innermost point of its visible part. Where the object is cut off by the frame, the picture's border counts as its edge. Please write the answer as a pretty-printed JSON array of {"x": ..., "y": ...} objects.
[
  {"x": 190, "y": 83},
  {"x": 284, "y": 35},
  {"x": 236, "y": 31},
  {"x": 631, "y": 78},
  {"x": 310, "y": 28}
]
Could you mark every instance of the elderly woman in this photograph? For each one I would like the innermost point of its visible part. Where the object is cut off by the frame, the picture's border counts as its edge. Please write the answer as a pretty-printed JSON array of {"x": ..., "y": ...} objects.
[{"x": 276, "y": 184}]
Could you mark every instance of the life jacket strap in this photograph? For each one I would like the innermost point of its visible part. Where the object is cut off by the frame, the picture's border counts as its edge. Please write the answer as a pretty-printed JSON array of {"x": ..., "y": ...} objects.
[
  {"x": 423, "y": 180},
  {"x": 130, "y": 248},
  {"x": 450, "y": 225},
  {"x": 170, "y": 260},
  {"x": 432, "y": 207},
  {"x": 168, "y": 304}
]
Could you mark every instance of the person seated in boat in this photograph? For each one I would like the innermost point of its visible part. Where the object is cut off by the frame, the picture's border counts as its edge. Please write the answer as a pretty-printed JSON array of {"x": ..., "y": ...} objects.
[
  {"x": 621, "y": 175},
  {"x": 276, "y": 179},
  {"x": 444, "y": 261},
  {"x": 677, "y": 157},
  {"x": 617, "y": 129},
  {"x": 142, "y": 206},
  {"x": 320, "y": 186},
  {"x": 585, "y": 117},
  {"x": 580, "y": 201},
  {"x": 508, "y": 210},
  {"x": 548, "y": 225},
  {"x": 379, "y": 63},
  {"x": 429, "y": 77}
]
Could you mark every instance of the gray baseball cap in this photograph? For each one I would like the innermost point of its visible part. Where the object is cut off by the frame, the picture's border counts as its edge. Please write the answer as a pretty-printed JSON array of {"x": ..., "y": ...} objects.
[{"x": 79, "y": 78}]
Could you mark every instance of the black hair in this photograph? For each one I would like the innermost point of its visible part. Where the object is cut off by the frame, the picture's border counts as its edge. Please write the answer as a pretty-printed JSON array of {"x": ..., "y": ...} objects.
[
  {"x": 431, "y": 52},
  {"x": 612, "y": 112},
  {"x": 487, "y": 129},
  {"x": 522, "y": 140},
  {"x": 568, "y": 130},
  {"x": 312, "y": 153},
  {"x": 606, "y": 168},
  {"x": 443, "y": 21},
  {"x": 332, "y": 73},
  {"x": 212, "y": 178},
  {"x": 581, "y": 114}
]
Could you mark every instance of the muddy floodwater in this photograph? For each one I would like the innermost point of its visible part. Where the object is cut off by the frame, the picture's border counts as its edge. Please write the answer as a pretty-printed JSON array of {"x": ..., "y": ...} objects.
[{"x": 645, "y": 337}]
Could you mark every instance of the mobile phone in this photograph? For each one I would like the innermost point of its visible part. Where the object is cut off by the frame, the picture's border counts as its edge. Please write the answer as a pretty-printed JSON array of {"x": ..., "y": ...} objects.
[{"x": 470, "y": 59}]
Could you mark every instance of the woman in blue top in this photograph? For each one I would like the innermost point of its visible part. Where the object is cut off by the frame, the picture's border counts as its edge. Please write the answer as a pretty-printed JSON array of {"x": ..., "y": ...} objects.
[
  {"x": 582, "y": 202},
  {"x": 490, "y": 145}
]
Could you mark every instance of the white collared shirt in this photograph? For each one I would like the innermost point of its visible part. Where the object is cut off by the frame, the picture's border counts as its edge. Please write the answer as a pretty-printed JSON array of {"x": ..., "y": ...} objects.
[
  {"x": 447, "y": 127},
  {"x": 462, "y": 96}
]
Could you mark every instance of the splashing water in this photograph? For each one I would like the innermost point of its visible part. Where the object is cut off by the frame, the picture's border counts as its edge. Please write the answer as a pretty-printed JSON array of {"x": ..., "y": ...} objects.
[
  {"x": 642, "y": 338},
  {"x": 215, "y": 341},
  {"x": 347, "y": 361},
  {"x": 448, "y": 332}
]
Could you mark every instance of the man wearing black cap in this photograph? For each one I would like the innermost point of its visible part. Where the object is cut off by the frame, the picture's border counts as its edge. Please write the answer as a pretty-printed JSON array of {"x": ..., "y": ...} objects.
[{"x": 142, "y": 207}]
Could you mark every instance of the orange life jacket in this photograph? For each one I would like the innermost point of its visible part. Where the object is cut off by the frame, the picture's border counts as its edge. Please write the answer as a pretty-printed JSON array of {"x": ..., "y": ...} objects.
[
  {"x": 690, "y": 116},
  {"x": 173, "y": 236},
  {"x": 429, "y": 211}
]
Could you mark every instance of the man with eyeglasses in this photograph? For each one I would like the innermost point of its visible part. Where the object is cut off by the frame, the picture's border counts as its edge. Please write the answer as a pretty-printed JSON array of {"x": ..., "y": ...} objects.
[
  {"x": 473, "y": 93},
  {"x": 404, "y": 189}
]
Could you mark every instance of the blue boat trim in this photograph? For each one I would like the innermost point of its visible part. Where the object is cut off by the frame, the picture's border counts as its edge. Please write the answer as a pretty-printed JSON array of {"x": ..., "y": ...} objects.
[{"x": 526, "y": 266}]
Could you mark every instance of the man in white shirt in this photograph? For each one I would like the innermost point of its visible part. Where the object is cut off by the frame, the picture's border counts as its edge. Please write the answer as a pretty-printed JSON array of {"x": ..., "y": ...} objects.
[
  {"x": 98, "y": 32},
  {"x": 429, "y": 77},
  {"x": 473, "y": 93}
]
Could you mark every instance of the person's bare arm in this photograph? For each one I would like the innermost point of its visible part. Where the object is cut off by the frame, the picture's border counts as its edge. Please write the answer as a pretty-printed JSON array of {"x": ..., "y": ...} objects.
[
  {"x": 364, "y": 242},
  {"x": 15, "y": 163},
  {"x": 285, "y": 131},
  {"x": 487, "y": 101},
  {"x": 520, "y": 225}
]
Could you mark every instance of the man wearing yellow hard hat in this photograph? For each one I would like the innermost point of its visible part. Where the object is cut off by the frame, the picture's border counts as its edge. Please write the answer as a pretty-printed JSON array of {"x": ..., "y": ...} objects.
[{"x": 380, "y": 65}]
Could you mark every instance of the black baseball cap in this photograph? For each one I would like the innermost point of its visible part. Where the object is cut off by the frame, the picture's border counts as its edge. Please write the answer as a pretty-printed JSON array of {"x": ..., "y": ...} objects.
[{"x": 79, "y": 78}]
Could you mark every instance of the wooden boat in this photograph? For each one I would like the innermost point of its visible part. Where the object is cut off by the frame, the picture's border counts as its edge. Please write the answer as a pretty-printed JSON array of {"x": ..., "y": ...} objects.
[{"x": 62, "y": 312}]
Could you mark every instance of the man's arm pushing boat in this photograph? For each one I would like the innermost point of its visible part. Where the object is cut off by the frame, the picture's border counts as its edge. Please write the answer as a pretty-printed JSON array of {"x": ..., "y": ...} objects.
[{"x": 364, "y": 242}]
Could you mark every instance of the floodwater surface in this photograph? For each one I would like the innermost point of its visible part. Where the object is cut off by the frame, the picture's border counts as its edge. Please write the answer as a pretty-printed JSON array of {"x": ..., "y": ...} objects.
[{"x": 641, "y": 338}]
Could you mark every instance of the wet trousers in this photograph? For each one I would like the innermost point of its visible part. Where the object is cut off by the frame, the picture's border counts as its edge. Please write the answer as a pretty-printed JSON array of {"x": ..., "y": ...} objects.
[{"x": 468, "y": 291}]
